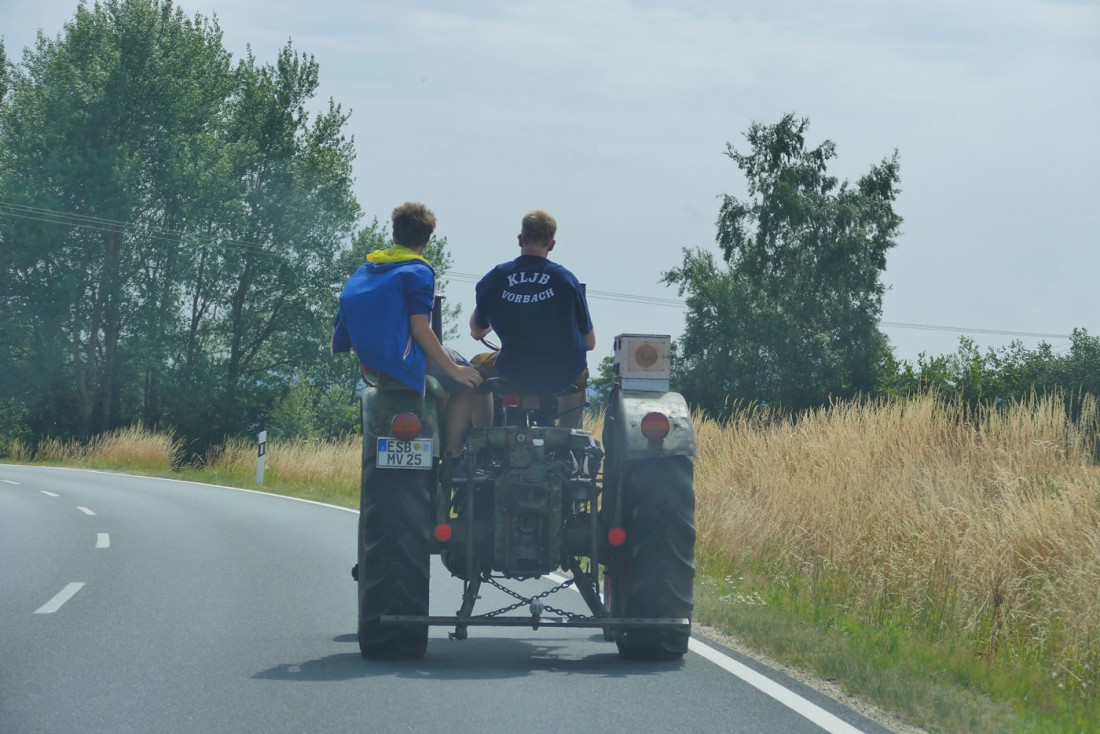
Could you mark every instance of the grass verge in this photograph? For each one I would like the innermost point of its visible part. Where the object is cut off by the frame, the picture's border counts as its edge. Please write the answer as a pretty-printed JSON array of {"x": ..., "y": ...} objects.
[
  {"x": 935, "y": 687},
  {"x": 940, "y": 561}
]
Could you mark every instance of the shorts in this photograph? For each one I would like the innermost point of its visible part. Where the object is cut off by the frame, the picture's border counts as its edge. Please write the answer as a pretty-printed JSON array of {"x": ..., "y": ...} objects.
[
  {"x": 446, "y": 382},
  {"x": 453, "y": 387},
  {"x": 486, "y": 364}
]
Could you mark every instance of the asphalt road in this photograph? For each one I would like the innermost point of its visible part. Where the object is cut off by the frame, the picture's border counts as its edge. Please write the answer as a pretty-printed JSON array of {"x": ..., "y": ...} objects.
[{"x": 130, "y": 604}]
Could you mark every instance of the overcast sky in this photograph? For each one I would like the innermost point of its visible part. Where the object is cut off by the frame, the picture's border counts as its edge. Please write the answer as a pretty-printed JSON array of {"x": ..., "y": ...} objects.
[{"x": 615, "y": 115}]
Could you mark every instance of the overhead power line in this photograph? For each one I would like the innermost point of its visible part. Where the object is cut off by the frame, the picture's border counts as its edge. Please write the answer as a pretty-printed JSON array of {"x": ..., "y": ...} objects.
[
  {"x": 603, "y": 295},
  {"x": 102, "y": 224},
  {"x": 974, "y": 330},
  {"x": 654, "y": 301}
]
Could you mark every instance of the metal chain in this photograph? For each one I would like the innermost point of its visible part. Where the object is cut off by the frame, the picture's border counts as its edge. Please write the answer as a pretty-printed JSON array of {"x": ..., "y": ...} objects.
[
  {"x": 527, "y": 600},
  {"x": 563, "y": 613}
]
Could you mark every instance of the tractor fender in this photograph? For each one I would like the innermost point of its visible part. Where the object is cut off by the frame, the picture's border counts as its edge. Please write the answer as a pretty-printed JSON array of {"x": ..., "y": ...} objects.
[
  {"x": 378, "y": 404},
  {"x": 622, "y": 433}
]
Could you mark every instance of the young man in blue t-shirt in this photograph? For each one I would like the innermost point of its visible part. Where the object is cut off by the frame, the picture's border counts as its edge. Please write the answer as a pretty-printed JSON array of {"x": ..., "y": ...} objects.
[
  {"x": 385, "y": 318},
  {"x": 539, "y": 311}
]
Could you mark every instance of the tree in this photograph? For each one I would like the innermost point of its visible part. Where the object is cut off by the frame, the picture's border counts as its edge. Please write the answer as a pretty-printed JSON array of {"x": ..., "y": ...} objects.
[
  {"x": 172, "y": 226},
  {"x": 3, "y": 70},
  {"x": 272, "y": 267},
  {"x": 600, "y": 385},
  {"x": 1002, "y": 375},
  {"x": 792, "y": 318},
  {"x": 95, "y": 132}
]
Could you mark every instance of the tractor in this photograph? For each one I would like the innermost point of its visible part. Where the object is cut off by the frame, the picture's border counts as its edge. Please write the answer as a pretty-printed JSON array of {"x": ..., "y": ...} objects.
[{"x": 615, "y": 518}]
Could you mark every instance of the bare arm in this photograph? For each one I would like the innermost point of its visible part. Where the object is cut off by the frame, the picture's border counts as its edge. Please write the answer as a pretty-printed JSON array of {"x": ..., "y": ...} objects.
[
  {"x": 421, "y": 328},
  {"x": 476, "y": 331},
  {"x": 590, "y": 340}
]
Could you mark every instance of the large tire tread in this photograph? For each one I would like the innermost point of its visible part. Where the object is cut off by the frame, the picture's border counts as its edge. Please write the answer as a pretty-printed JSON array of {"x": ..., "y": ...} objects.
[
  {"x": 657, "y": 572},
  {"x": 394, "y": 560}
]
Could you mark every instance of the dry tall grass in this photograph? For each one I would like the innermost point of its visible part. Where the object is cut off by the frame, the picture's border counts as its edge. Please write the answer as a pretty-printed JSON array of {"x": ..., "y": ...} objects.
[
  {"x": 979, "y": 528},
  {"x": 134, "y": 447},
  {"x": 329, "y": 466}
]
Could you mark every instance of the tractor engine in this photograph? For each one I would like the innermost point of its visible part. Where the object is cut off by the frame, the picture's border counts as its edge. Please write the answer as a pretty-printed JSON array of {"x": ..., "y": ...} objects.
[{"x": 532, "y": 482}]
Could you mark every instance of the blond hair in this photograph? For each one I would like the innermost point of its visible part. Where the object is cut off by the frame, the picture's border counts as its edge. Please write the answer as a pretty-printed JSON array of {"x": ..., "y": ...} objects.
[{"x": 539, "y": 228}]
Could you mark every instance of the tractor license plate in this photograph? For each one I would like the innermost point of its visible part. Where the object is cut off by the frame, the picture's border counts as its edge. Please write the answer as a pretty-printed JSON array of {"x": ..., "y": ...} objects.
[{"x": 393, "y": 453}]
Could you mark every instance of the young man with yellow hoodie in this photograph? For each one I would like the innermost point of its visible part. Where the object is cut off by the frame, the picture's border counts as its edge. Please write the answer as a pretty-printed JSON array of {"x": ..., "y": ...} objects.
[{"x": 385, "y": 318}]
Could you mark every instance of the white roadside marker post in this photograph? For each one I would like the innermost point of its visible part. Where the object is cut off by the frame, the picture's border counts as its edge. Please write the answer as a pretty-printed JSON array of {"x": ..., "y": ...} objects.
[{"x": 260, "y": 458}]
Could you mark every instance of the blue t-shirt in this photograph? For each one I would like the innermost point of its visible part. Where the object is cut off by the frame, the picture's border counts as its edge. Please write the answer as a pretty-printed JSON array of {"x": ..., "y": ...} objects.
[
  {"x": 375, "y": 306},
  {"x": 539, "y": 311}
]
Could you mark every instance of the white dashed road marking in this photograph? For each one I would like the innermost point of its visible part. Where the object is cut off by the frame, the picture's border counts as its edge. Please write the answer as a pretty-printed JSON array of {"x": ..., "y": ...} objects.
[
  {"x": 8, "y": 481},
  {"x": 85, "y": 510},
  {"x": 48, "y": 494},
  {"x": 59, "y": 600},
  {"x": 102, "y": 540}
]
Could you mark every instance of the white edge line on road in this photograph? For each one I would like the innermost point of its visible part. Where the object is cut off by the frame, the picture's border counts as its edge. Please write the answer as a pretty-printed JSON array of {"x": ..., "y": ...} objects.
[
  {"x": 249, "y": 491},
  {"x": 762, "y": 683},
  {"x": 198, "y": 484},
  {"x": 785, "y": 696},
  {"x": 59, "y": 600},
  {"x": 102, "y": 540},
  {"x": 48, "y": 494},
  {"x": 85, "y": 510}
]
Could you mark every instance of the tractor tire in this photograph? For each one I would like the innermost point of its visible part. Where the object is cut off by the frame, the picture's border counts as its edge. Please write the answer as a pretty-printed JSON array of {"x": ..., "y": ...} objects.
[
  {"x": 655, "y": 573},
  {"x": 394, "y": 559}
]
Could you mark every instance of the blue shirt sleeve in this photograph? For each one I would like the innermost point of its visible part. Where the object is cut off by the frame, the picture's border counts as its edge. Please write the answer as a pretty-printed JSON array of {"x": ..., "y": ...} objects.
[
  {"x": 420, "y": 290},
  {"x": 481, "y": 317},
  {"x": 584, "y": 318}
]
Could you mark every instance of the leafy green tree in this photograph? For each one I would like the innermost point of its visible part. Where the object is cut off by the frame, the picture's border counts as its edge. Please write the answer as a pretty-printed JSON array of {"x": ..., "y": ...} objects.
[
  {"x": 311, "y": 410},
  {"x": 94, "y": 124},
  {"x": 1009, "y": 373},
  {"x": 172, "y": 226},
  {"x": 791, "y": 316},
  {"x": 272, "y": 268},
  {"x": 3, "y": 70},
  {"x": 600, "y": 384},
  {"x": 1081, "y": 367}
]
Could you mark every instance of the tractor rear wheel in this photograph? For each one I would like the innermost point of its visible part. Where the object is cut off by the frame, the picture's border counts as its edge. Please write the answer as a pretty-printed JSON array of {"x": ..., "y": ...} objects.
[
  {"x": 394, "y": 559},
  {"x": 655, "y": 574}
]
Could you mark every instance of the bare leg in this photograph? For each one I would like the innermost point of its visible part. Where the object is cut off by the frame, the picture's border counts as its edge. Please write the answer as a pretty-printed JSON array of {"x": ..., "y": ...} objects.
[
  {"x": 456, "y": 420},
  {"x": 571, "y": 410},
  {"x": 481, "y": 411}
]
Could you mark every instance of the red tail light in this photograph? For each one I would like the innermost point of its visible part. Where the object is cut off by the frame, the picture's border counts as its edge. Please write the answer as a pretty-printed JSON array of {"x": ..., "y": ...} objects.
[
  {"x": 405, "y": 426},
  {"x": 616, "y": 536},
  {"x": 510, "y": 399},
  {"x": 443, "y": 532},
  {"x": 655, "y": 426}
]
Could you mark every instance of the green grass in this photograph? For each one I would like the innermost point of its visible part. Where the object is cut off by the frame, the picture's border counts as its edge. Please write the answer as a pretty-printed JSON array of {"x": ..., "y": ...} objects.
[{"x": 939, "y": 686}]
